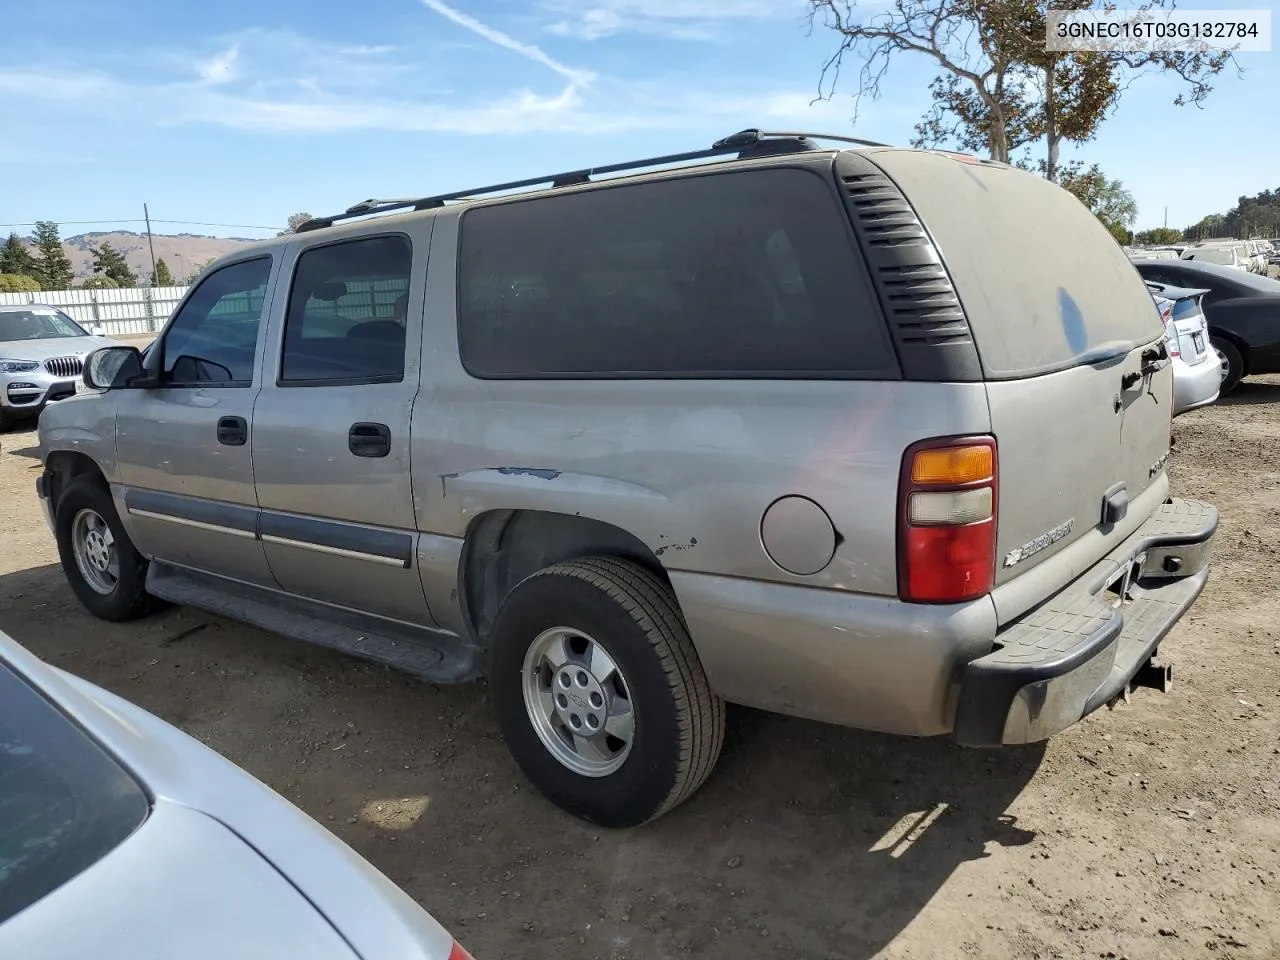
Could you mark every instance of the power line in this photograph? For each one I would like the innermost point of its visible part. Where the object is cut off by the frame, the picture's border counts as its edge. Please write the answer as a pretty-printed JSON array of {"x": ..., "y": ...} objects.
[{"x": 186, "y": 223}]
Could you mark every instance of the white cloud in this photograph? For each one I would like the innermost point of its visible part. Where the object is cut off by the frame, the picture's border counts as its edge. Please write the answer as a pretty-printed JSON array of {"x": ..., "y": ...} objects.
[
  {"x": 220, "y": 68},
  {"x": 282, "y": 83},
  {"x": 675, "y": 19},
  {"x": 526, "y": 50}
]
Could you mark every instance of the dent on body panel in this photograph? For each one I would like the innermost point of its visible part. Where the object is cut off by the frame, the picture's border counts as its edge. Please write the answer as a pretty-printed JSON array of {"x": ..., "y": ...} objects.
[
  {"x": 688, "y": 467},
  {"x": 84, "y": 424}
]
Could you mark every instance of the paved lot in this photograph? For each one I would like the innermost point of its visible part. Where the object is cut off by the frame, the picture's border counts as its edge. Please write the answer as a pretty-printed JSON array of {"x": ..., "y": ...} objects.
[{"x": 1147, "y": 831}]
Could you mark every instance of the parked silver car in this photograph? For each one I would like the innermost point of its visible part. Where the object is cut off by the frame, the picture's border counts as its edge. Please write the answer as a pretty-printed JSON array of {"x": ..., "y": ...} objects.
[
  {"x": 42, "y": 352},
  {"x": 771, "y": 426},
  {"x": 121, "y": 836},
  {"x": 1197, "y": 371}
]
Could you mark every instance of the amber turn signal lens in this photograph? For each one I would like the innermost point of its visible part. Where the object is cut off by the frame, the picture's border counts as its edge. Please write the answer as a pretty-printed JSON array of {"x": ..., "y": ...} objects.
[{"x": 953, "y": 465}]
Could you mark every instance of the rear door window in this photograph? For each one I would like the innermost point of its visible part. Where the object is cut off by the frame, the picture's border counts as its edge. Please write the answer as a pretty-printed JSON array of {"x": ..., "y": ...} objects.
[
  {"x": 64, "y": 802},
  {"x": 745, "y": 274},
  {"x": 1038, "y": 298}
]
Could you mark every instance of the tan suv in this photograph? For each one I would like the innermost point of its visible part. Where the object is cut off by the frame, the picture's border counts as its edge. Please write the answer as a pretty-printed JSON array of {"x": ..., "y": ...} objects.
[{"x": 809, "y": 429}]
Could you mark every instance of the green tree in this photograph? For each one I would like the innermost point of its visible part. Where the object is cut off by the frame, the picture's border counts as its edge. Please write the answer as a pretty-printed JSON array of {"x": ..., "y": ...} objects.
[
  {"x": 100, "y": 282},
  {"x": 164, "y": 276},
  {"x": 53, "y": 268},
  {"x": 1107, "y": 198},
  {"x": 109, "y": 261},
  {"x": 16, "y": 258},
  {"x": 295, "y": 221},
  {"x": 18, "y": 283},
  {"x": 997, "y": 88},
  {"x": 1123, "y": 235},
  {"x": 1160, "y": 236}
]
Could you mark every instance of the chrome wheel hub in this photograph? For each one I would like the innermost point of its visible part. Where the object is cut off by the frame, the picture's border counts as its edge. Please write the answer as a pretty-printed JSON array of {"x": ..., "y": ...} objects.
[
  {"x": 95, "y": 552},
  {"x": 578, "y": 702}
]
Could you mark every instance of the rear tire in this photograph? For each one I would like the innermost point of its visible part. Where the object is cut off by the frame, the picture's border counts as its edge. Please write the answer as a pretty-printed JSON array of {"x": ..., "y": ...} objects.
[
  {"x": 600, "y": 694},
  {"x": 1232, "y": 365},
  {"x": 101, "y": 564},
  {"x": 6, "y": 420}
]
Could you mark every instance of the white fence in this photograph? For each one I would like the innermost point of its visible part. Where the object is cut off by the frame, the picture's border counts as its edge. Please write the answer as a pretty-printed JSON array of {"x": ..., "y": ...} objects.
[{"x": 120, "y": 312}]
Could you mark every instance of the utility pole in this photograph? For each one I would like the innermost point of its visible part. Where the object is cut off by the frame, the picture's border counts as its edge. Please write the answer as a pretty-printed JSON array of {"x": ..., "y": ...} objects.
[
  {"x": 151, "y": 246},
  {"x": 1166, "y": 216}
]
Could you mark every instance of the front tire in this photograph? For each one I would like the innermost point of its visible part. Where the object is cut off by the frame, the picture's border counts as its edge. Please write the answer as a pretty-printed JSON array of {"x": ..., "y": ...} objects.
[
  {"x": 102, "y": 567},
  {"x": 1232, "y": 365},
  {"x": 600, "y": 694}
]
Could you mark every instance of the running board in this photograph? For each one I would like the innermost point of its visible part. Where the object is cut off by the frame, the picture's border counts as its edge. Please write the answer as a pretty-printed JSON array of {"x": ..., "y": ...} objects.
[{"x": 432, "y": 655}]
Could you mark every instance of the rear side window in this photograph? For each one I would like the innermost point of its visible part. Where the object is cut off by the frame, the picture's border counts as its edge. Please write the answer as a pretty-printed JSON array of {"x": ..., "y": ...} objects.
[
  {"x": 747, "y": 274},
  {"x": 1037, "y": 298},
  {"x": 64, "y": 802},
  {"x": 347, "y": 313}
]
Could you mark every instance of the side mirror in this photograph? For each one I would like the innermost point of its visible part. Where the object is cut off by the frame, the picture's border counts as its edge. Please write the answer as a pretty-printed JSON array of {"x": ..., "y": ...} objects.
[
  {"x": 111, "y": 368},
  {"x": 97, "y": 330}
]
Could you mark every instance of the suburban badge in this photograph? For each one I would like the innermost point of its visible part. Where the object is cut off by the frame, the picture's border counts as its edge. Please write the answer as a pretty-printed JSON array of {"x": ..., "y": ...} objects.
[{"x": 1046, "y": 539}]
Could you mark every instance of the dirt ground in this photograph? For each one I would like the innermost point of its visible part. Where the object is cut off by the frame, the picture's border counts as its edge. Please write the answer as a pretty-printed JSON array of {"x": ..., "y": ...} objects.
[{"x": 1150, "y": 830}]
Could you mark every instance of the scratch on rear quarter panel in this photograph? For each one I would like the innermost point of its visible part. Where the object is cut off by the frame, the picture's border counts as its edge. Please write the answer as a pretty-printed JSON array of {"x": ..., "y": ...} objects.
[{"x": 693, "y": 542}]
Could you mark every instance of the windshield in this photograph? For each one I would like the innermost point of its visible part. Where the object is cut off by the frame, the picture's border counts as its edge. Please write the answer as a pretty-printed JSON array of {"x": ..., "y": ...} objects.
[
  {"x": 64, "y": 802},
  {"x": 1223, "y": 255},
  {"x": 37, "y": 323}
]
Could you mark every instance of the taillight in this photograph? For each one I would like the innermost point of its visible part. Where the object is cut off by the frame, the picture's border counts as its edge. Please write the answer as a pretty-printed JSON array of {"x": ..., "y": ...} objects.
[
  {"x": 459, "y": 952},
  {"x": 1170, "y": 332},
  {"x": 947, "y": 520}
]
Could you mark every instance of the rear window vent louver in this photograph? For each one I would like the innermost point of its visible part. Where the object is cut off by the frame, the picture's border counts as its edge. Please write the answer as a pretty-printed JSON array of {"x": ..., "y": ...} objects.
[
  {"x": 885, "y": 215},
  {"x": 923, "y": 305},
  {"x": 920, "y": 303}
]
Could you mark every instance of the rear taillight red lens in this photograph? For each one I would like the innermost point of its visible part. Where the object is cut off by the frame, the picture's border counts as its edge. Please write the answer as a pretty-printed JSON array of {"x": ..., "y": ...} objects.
[
  {"x": 1170, "y": 332},
  {"x": 947, "y": 520},
  {"x": 459, "y": 952}
]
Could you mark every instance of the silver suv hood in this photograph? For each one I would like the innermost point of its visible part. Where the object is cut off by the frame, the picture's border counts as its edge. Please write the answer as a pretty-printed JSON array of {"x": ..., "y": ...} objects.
[{"x": 44, "y": 349}]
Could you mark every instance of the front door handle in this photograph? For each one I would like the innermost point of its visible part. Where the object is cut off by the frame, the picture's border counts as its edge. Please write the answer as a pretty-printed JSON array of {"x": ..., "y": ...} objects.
[
  {"x": 233, "y": 431},
  {"x": 369, "y": 439}
]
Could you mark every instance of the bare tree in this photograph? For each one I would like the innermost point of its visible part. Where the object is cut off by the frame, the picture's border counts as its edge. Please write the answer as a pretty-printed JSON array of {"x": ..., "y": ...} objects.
[
  {"x": 998, "y": 88},
  {"x": 980, "y": 80}
]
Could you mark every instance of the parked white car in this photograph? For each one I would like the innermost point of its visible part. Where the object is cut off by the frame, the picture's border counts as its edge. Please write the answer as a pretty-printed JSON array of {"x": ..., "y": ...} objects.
[
  {"x": 1257, "y": 257},
  {"x": 42, "y": 353},
  {"x": 1197, "y": 374},
  {"x": 1225, "y": 254},
  {"x": 122, "y": 837}
]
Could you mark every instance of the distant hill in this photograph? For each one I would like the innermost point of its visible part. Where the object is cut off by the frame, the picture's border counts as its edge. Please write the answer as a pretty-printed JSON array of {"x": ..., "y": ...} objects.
[{"x": 185, "y": 253}]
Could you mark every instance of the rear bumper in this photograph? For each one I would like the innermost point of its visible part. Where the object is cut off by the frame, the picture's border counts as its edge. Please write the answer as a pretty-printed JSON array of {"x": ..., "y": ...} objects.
[
  {"x": 1196, "y": 386},
  {"x": 1082, "y": 648}
]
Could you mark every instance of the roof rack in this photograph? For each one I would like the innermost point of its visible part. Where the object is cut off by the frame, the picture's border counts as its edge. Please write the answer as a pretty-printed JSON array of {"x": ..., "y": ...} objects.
[{"x": 746, "y": 144}]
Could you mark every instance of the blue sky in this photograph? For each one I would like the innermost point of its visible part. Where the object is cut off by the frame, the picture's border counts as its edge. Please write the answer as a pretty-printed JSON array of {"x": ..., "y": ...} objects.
[{"x": 243, "y": 111}]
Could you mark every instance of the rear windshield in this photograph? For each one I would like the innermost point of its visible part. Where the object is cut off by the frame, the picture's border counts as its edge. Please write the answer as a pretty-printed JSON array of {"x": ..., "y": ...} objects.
[
  {"x": 1037, "y": 298},
  {"x": 64, "y": 802},
  {"x": 744, "y": 274}
]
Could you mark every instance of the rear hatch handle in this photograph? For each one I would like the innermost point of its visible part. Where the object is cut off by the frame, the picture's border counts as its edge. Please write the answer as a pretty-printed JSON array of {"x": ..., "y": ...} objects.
[{"x": 1154, "y": 359}]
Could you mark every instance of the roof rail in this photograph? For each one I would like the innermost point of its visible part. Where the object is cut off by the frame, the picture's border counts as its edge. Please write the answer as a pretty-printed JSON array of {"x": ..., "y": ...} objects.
[{"x": 745, "y": 143}]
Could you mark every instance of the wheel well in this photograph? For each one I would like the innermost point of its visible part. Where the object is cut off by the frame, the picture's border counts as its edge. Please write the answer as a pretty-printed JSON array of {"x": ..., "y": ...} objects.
[
  {"x": 505, "y": 546},
  {"x": 1236, "y": 342},
  {"x": 63, "y": 466}
]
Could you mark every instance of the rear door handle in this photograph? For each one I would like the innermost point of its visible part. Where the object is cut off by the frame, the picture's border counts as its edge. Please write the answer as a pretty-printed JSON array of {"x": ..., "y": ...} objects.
[
  {"x": 233, "y": 431},
  {"x": 369, "y": 439}
]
